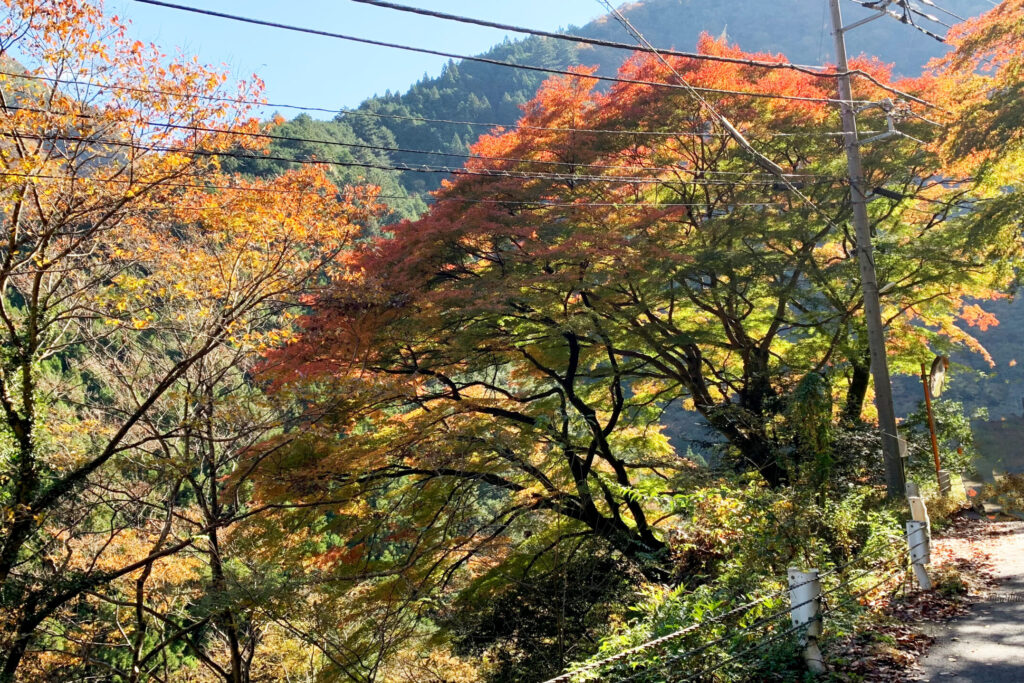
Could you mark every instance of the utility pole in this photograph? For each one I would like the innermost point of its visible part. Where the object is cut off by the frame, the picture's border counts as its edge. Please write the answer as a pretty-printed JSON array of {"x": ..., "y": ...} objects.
[{"x": 895, "y": 480}]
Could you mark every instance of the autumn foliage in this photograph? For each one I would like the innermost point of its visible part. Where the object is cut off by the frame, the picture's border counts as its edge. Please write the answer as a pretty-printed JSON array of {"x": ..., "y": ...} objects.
[
  {"x": 242, "y": 436},
  {"x": 614, "y": 255},
  {"x": 138, "y": 285}
]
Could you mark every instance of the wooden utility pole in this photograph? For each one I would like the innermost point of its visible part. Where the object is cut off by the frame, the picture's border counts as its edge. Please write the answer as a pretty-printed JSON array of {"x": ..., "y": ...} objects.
[
  {"x": 925, "y": 377},
  {"x": 895, "y": 480}
]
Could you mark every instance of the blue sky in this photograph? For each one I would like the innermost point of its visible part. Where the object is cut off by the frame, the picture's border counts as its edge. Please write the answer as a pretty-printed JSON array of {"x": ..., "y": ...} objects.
[{"x": 318, "y": 71}]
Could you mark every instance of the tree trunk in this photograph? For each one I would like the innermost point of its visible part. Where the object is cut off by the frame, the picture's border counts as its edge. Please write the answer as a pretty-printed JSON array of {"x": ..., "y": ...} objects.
[
  {"x": 858, "y": 390},
  {"x": 27, "y": 625},
  {"x": 227, "y": 617},
  {"x": 12, "y": 659},
  {"x": 641, "y": 549},
  {"x": 756, "y": 450}
]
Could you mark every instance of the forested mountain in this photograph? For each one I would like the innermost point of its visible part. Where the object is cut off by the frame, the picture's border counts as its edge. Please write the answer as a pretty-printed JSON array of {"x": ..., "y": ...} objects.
[
  {"x": 334, "y": 141},
  {"x": 997, "y": 389},
  {"x": 485, "y": 93}
]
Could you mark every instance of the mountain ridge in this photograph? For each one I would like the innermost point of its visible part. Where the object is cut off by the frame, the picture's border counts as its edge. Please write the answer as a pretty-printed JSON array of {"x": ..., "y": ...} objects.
[{"x": 480, "y": 94}]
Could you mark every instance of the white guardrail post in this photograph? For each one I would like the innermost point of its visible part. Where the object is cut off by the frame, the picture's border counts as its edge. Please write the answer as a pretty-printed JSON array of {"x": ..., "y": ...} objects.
[
  {"x": 919, "y": 513},
  {"x": 920, "y": 551},
  {"x": 805, "y": 601},
  {"x": 919, "y": 538}
]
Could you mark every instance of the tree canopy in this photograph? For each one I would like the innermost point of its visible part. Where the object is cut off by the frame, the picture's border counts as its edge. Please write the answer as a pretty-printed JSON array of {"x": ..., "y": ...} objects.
[
  {"x": 138, "y": 286},
  {"x": 246, "y": 434},
  {"x": 519, "y": 345}
]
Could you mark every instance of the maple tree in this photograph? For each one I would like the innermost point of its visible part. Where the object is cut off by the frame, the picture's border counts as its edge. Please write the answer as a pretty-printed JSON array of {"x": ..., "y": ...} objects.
[
  {"x": 520, "y": 343},
  {"x": 981, "y": 83},
  {"x": 138, "y": 285}
]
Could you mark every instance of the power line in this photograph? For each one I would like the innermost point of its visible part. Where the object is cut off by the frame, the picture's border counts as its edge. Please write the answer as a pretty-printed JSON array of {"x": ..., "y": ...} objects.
[
  {"x": 402, "y": 150},
  {"x": 447, "y": 170},
  {"x": 422, "y": 169},
  {"x": 909, "y": 10},
  {"x": 486, "y": 60},
  {"x": 559, "y": 129},
  {"x": 956, "y": 16},
  {"x": 860, "y": 216},
  {"x": 502, "y": 202},
  {"x": 545, "y": 203},
  {"x": 127, "y": 181},
  {"x": 540, "y": 203},
  {"x": 816, "y": 71},
  {"x": 930, "y": 17},
  {"x": 760, "y": 159},
  {"x": 817, "y": 180},
  {"x": 882, "y": 6},
  {"x": 813, "y": 70},
  {"x": 424, "y": 119}
]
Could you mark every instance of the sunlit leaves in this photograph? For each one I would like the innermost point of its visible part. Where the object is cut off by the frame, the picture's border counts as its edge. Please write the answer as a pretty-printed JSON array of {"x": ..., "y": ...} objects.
[{"x": 139, "y": 285}]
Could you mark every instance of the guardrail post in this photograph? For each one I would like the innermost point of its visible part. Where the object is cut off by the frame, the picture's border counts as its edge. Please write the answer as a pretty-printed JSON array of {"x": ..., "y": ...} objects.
[
  {"x": 920, "y": 551},
  {"x": 919, "y": 513},
  {"x": 945, "y": 485},
  {"x": 805, "y": 609}
]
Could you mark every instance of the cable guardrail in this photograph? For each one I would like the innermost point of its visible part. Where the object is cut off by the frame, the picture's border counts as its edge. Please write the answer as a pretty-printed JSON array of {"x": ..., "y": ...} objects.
[
  {"x": 689, "y": 654},
  {"x": 657, "y": 642},
  {"x": 767, "y": 641},
  {"x": 761, "y": 621},
  {"x": 699, "y": 625},
  {"x": 860, "y": 594},
  {"x": 743, "y": 653}
]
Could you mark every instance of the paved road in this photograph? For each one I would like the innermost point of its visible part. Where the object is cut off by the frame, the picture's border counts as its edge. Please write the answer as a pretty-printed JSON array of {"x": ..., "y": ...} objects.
[{"x": 987, "y": 645}]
